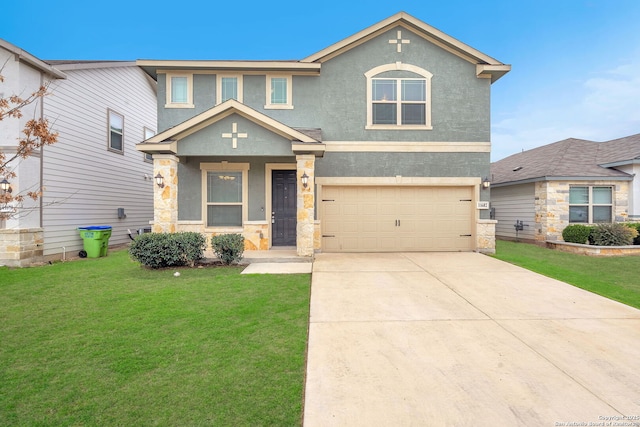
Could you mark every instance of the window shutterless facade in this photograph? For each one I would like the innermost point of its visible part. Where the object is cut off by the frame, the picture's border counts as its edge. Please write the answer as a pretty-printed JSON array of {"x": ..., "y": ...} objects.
[
  {"x": 115, "y": 131},
  {"x": 179, "y": 91},
  {"x": 402, "y": 102},
  {"x": 590, "y": 204},
  {"x": 228, "y": 87},
  {"x": 279, "y": 92},
  {"x": 225, "y": 191}
]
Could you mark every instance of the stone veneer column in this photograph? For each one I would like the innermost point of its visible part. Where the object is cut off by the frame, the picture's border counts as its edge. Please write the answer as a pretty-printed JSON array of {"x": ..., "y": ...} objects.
[
  {"x": 486, "y": 240},
  {"x": 165, "y": 199},
  {"x": 306, "y": 204}
]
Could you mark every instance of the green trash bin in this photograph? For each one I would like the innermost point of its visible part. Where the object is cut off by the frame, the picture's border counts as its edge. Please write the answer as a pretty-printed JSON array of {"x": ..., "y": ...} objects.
[{"x": 96, "y": 240}]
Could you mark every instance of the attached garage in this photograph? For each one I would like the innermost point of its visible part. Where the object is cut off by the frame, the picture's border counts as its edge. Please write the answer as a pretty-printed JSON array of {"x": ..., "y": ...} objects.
[{"x": 397, "y": 218}]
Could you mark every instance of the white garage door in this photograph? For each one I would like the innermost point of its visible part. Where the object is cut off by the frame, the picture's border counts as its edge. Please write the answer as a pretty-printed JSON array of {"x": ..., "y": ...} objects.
[{"x": 388, "y": 219}]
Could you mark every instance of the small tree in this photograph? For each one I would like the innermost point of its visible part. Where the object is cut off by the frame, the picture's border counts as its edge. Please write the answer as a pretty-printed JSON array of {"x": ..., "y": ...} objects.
[{"x": 36, "y": 134}]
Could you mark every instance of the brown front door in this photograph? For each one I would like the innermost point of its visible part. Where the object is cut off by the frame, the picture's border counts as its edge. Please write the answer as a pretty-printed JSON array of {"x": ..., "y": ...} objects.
[{"x": 284, "y": 212}]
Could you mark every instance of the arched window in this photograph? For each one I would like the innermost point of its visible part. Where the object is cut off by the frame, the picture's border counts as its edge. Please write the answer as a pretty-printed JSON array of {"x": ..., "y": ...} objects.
[{"x": 398, "y": 97}]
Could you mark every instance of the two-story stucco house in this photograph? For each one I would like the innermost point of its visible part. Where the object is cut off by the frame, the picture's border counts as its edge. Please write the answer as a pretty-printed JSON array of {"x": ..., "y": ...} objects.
[
  {"x": 93, "y": 175},
  {"x": 379, "y": 142}
]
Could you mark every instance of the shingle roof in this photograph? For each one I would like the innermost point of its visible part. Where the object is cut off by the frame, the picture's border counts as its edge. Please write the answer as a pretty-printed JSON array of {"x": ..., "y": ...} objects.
[{"x": 571, "y": 157}]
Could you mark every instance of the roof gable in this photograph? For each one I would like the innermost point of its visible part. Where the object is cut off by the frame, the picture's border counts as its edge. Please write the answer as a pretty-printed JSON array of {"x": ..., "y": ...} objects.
[
  {"x": 486, "y": 66},
  {"x": 166, "y": 141}
]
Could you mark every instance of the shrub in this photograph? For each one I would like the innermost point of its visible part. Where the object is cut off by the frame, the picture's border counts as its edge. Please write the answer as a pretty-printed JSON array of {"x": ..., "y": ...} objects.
[
  {"x": 613, "y": 235},
  {"x": 228, "y": 247},
  {"x": 576, "y": 233},
  {"x": 636, "y": 226},
  {"x": 159, "y": 250}
]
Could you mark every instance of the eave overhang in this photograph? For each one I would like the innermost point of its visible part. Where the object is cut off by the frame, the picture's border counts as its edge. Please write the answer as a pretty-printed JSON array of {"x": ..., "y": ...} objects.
[
  {"x": 562, "y": 178},
  {"x": 155, "y": 67}
]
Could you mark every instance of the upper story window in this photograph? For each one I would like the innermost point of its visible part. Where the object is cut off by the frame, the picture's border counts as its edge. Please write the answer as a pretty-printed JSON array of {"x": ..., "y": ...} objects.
[
  {"x": 116, "y": 131},
  {"x": 398, "y": 102},
  {"x": 148, "y": 133},
  {"x": 228, "y": 87},
  {"x": 590, "y": 204},
  {"x": 179, "y": 91},
  {"x": 279, "y": 92}
]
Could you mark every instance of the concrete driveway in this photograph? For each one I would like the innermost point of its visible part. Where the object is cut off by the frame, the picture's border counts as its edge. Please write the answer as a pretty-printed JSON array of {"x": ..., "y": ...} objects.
[{"x": 461, "y": 339}]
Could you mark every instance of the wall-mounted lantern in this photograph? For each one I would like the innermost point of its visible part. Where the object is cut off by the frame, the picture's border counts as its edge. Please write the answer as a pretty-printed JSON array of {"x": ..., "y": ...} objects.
[
  {"x": 5, "y": 186},
  {"x": 305, "y": 180},
  {"x": 486, "y": 183},
  {"x": 159, "y": 180}
]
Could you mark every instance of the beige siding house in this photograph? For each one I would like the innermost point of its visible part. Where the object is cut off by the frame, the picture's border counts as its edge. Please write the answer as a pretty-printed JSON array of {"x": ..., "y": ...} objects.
[
  {"x": 93, "y": 175},
  {"x": 572, "y": 181}
]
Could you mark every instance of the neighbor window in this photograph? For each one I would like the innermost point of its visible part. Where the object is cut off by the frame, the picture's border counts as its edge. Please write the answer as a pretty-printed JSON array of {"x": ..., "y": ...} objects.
[
  {"x": 225, "y": 194},
  {"x": 229, "y": 87},
  {"x": 279, "y": 92},
  {"x": 179, "y": 91},
  {"x": 398, "y": 97},
  {"x": 116, "y": 131},
  {"x": 590, "y": 204},
  {"x": 148, "y": 133}
]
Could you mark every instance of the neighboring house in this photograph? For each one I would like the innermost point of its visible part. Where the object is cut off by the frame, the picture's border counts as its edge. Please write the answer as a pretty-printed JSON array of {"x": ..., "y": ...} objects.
[
  {"x": 379, "y": 142},
  {"x": 93, "y": 175},
  {"x": 568, "y": 182}
]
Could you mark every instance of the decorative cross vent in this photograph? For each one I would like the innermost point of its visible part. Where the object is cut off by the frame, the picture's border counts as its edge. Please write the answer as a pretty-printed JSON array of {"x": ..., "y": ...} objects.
[
  {"x": 399, "y": 41},
  {"x": 234, "y": 135}
]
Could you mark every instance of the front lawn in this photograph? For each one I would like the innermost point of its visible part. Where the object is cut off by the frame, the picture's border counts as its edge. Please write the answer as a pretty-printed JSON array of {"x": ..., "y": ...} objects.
[
  {"x": 616, "y": 278},
  {"x": 106, "y": 342}
]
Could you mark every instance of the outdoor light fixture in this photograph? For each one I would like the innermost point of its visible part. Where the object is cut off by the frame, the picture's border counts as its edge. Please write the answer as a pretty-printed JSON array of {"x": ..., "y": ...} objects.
[
  {"x": 159, "y": 180},
  {"x": 486, "y": 183},
  {"x": 5, "y": 186},
  {"x": 305, "y": 179}
]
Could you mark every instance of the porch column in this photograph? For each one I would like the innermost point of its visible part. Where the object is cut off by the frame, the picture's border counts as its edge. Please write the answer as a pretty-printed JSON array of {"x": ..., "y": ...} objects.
[
  {"x": 165, "y": 199},
  {"x": 306, "y": 204}
]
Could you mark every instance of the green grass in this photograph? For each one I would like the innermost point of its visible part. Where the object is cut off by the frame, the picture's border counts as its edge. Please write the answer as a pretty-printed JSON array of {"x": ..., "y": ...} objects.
[
  {"x": 616, "y": 278},
  {"x": 106, "y": 342}
]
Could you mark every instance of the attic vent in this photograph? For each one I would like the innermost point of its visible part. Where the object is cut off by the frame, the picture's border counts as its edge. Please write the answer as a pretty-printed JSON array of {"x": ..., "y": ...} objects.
[{"x": 517, "y": 168}]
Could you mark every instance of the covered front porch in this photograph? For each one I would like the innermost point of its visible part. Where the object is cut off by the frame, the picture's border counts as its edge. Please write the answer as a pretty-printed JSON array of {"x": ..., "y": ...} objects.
[{"x": 257, "y": 180}]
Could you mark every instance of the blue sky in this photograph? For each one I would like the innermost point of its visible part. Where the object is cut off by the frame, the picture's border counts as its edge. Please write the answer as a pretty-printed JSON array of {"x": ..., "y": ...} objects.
[{"x": 576, "y": 63}]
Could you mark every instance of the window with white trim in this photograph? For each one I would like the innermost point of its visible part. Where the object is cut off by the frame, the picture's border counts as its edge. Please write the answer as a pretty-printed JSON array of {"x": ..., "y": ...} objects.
[
  {"x": 590, "y": 204},
  {"x": 279, "y": 92},
  {"x": 116, "y": 131},
  {"x": 148, "y": 133},
  {"x": 400, "y": 101},
  {"x": 225, "y": 194},
  {"x": 228, "y": 87},
  {"x": 179, "y": 91}
]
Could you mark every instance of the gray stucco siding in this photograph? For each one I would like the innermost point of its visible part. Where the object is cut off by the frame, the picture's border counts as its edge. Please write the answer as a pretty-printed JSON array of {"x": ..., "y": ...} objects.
[
  {"x": 204, "y": 97},
  {"x": 354, "y": 164},
  {"x": 336, "y": 100},
  {"x": 190, "y": 185},
  {"x": 259, "y": 141}
]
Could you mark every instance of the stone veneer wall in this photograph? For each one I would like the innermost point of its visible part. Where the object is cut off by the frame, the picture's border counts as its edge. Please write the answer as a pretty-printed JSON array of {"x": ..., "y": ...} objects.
[
  {"x": 165, "y": 199},
  {"x": 22, "y": 247},
  {"x": 305, "y": 230},
  {"x": 552, "y": 206},
  {"x": 486, "y": 236},
  {"x": 256, "y": 234}
]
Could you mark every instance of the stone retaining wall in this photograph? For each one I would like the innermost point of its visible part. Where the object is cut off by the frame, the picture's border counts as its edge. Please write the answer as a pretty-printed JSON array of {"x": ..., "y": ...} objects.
[{"x": 576, "y": 248}]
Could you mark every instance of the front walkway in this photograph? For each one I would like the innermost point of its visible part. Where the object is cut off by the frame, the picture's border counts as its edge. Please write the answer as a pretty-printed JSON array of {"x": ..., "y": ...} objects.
[{"x": 434, "y": 339}]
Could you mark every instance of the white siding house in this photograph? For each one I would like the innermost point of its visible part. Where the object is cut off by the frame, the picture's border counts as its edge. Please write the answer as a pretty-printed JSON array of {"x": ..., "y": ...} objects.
[
  {"x": 86, "y": 180},
  {"x": 512, "y": 204},
  {"x": 101, "y": 110}
]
